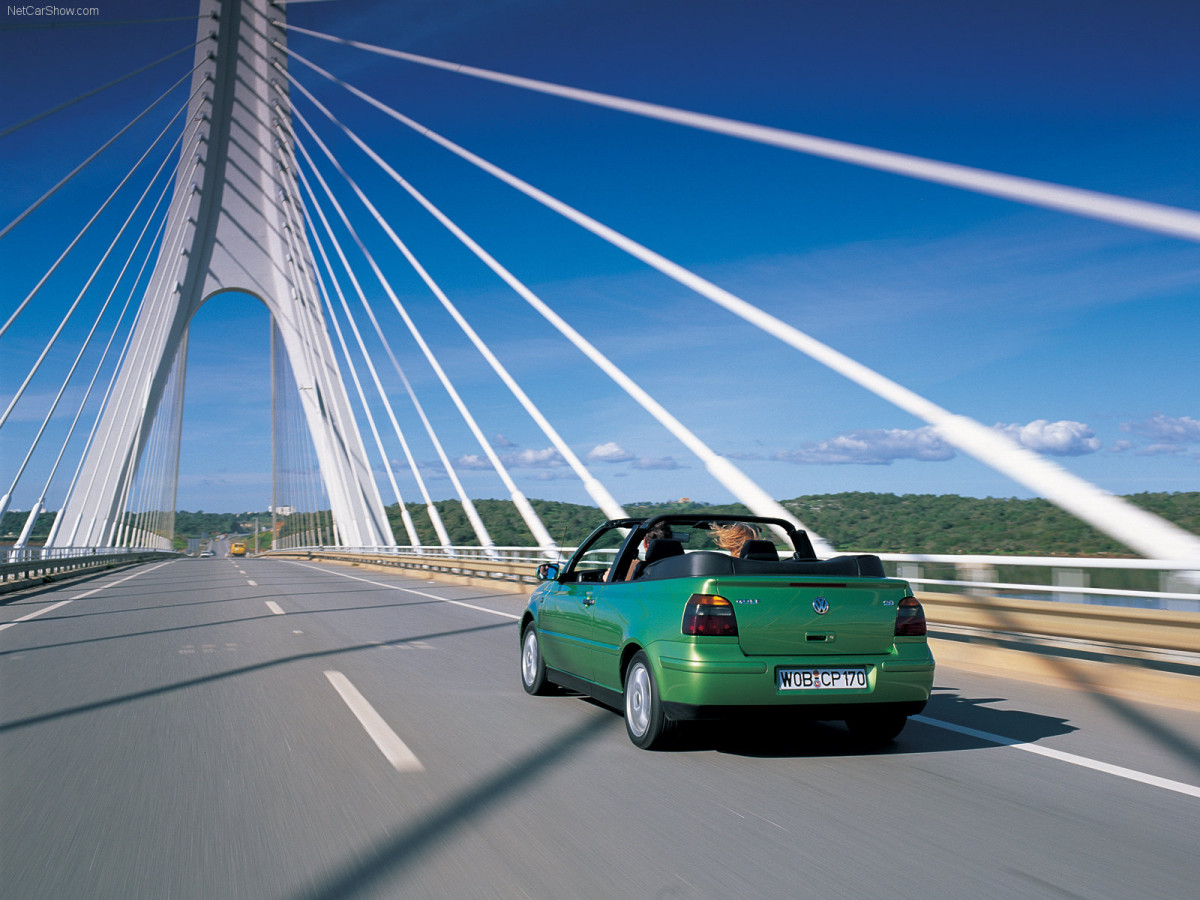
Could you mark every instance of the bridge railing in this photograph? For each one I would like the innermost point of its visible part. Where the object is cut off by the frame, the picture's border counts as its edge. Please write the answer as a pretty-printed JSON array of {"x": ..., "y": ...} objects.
[
  {"x": 1138, "y": 583},
  {"x": 23, "y": 566}
]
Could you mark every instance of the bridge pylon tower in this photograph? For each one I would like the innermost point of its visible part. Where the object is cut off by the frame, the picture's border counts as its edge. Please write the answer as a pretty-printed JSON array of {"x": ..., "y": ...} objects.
[{"x": 233, "y": 225}]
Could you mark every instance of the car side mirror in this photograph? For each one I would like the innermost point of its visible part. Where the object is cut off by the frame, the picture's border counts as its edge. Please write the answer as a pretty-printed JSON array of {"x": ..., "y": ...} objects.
[{"x": 547, "y": 571}]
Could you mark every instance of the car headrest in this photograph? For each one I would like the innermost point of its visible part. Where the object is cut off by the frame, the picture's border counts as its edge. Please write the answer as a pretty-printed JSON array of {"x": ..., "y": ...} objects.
[
  {"x": 661, "y": 548},
  {"x": 759, "y": 550}
]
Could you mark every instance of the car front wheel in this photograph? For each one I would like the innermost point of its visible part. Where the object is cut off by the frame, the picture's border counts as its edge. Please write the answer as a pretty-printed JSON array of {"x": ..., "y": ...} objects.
[
  {"x": 645, "y": 722},
  {"x": 533, "y": 668}
]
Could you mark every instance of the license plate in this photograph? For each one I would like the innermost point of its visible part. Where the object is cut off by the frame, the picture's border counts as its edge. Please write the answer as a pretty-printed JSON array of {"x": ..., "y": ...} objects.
[{"x": 823, "y": 678}]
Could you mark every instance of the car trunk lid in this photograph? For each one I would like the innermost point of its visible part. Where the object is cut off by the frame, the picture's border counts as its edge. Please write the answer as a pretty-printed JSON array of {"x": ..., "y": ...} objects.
[{"x": 776, "y": 618}]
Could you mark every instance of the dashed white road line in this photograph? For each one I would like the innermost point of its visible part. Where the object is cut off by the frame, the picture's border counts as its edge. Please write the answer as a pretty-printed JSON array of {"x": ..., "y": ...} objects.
[
  {"x": 394, "y": 750},
  {"x": 1108, "y": 768},
  {"x": 275, "y": 607},
  {"x": 251, "y": 583}
]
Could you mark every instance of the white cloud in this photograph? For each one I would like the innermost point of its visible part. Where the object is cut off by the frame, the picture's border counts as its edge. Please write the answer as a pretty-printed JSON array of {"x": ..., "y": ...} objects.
[
  {"x": 1161, "y": 450},
  {"x": 472, "y": 461},
  {"x": 664, "y": 462},
  {"x": 548, "y": 458},
  {"x": 1166, "y": 429},
  {"x": 610, "y": 452},
  {"x": 1063, "y": 438},
  {"x": 875, "y": 447}
]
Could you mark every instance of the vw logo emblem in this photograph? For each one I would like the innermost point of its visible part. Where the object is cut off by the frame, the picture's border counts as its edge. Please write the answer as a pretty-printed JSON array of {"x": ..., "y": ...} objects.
[{"x": 820, "y": 606}]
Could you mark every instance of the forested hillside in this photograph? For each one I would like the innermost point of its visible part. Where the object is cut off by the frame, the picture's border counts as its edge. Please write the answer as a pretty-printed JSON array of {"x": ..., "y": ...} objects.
[{"x": 908, "y": 523}]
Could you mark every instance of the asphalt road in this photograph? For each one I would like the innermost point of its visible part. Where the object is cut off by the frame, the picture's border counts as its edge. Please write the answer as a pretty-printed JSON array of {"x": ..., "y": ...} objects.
[{"x": 258, "y": 728}]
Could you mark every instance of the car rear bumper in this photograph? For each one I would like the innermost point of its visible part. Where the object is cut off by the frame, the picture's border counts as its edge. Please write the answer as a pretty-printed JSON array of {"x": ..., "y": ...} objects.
[
  {"x": 704, "y": 678},
  {"x": 813, "y": 711}
]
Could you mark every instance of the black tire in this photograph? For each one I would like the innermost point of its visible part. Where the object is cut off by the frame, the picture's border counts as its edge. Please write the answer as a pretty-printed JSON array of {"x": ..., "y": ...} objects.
[
  {"x": 645, "y": 722},
  {"x": 533, "y": 667},
  {"x": 877, "y": 727}
]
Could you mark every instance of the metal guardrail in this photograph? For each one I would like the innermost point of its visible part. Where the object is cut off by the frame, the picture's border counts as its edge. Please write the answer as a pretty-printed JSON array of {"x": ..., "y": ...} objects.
[
  {"x": 978, "y": 607},
  {"x": 26, "y": 566},
  {"x": 1143, "y": 583}
]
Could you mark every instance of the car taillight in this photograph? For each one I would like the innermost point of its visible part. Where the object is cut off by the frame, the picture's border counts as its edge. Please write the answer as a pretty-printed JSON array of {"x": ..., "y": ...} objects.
[
  {"x": 709, "y": 614},
  {"x": 910, "y": 618}
]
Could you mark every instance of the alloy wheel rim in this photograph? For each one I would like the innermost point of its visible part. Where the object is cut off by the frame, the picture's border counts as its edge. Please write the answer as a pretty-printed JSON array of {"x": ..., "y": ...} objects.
[
  {"x": 529, "y": 658},
  {"x": 637, "y": 694}
]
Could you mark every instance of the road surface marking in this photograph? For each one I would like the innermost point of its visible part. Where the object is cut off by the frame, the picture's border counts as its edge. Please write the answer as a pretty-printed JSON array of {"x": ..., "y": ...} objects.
[
  {"x": 34, "y": 615},
  {"x": 1108, "y": 768},
  {"x": 394, "y": 749},
  {"x": 251, "y": 583},
  {"x": 275, "y": 607},
  {"x": 494, "y": 612}
]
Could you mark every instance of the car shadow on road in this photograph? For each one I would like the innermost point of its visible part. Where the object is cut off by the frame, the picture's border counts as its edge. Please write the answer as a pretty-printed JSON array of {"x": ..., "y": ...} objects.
[{"x": 777, "y": 737}]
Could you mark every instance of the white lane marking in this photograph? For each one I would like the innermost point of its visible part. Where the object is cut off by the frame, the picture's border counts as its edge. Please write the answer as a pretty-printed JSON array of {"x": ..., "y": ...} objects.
[
  {"x": 251, "y": 583},
  {"x": 494, "y": 612},
  {"x": 394, "y": 749},
  {"x": 34, "y": 615},
  {"x": 1108, "y": 768},
  {"x": 275, "y": 607}
]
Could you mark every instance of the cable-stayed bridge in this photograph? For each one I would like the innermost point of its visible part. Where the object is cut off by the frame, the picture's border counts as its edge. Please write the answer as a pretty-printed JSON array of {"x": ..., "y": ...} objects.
[
  {"x": 469, "y": 272},
  {"x": 254, "y": 185}
]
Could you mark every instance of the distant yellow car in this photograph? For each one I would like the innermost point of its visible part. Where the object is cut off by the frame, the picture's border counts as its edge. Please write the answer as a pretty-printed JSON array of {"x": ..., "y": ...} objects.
[{"x": 237, "y": 548}]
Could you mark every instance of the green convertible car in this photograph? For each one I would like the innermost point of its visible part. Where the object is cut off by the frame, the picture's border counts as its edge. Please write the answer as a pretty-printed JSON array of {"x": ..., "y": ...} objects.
[{"x": 678, "y": 617}]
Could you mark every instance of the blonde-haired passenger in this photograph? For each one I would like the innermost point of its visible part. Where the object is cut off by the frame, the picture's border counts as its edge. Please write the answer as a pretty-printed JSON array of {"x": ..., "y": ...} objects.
[{"x": 731, "y": 537}]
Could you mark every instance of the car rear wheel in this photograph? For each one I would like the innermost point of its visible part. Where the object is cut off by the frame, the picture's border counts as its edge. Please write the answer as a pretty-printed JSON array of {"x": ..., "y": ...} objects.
[
  {"x": 645, "y": 722},
  {"x": 877, "y": 727},
  {"x": 533, "y": 667}
]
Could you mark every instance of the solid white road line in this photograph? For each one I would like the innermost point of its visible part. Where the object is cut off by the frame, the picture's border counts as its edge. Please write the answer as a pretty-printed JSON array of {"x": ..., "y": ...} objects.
[
  {"x": 275, "y": 607},
  {"x": 494, "y": 612},
  {"x": 103, "y": 587},
  {"x": 34, "y": 615},
  {"x": 1119, "y": 771},
  {"x": 394, "y": 749}
]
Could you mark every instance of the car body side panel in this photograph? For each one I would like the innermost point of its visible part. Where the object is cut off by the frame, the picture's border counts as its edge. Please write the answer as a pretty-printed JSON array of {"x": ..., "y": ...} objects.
[{"x": 564, "y": 622}]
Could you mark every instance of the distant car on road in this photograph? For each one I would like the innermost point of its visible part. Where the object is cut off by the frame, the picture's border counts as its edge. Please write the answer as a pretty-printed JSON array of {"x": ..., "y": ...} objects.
[
  {"x": 204, "y": 554},
  {"x": 237, "y": 548},
  {"x": 702, "y": 634}
]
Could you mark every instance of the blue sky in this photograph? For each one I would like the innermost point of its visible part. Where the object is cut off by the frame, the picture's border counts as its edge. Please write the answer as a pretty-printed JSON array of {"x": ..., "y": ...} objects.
[{"x": 1077, "y": 337}]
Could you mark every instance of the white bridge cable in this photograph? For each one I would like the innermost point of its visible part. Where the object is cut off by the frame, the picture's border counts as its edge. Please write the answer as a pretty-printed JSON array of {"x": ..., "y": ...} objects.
[
  {"x": 96, "y": 270},
  {"x": 298, "y": 258},
  {"x": 309, "y": 342},
  {"x": 721, "y": 468},
  {"x": 87, "y": 342},
  {"x": 1140, "y": 530},
  {"x": 172, "y": 248},
  {"x": 537, "y": 528},
  {"x": 1140, "y": 214},
  {"x": 468, "y": 506},
  {"x": 162, "y": 224},
  {"x": 66, "y": 178},
  {"x": 434, "y": 516},
  {"x": 603, "y": 499},
  {"x": 405, "y": 515},
  {"x": 60, "y": 107},
  {"x": 431, "y": 508},
  {"x": 62, "y": 256}
]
